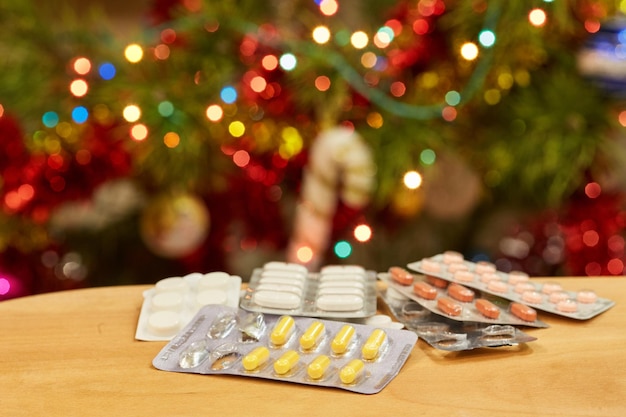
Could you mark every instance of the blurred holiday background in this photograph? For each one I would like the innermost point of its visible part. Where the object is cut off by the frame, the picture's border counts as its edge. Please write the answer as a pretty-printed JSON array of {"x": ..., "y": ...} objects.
[{"x": 140, "y": 140}]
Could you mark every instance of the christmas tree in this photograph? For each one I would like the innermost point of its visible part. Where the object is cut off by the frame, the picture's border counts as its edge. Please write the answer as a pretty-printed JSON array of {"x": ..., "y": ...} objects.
[{"x": 220, "y": 135}]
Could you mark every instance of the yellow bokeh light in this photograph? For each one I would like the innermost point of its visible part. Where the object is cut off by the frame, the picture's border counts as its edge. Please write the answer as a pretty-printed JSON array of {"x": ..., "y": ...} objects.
[
  {"x": 362, "y": 233},
  {"x": 236, "y": 129},
  {"x": 492, "y": 96},
  {"x": 133, "y": 53},
  {"x": 321, "y": 34},
  {"x": 375, "y": 120},
  {"x": 469, "y": 51},
  {"x": 359, "y": 39},
  {"x": 171, "y": 139},
  {"x": 82, "y": 65},
  {"x": 79, "y": 88},
  {"x": 131, "y": 113},
  {"x": 537, "y": 17},
  {"x": 505, "y": 80},
  {"x": 304, "y": 254},
  {"x": 329, "y": 7},
  {"x": 412, "y": 180},
  {"x": 139, "y": 132},
  {"x": 214, "y": 113},
  {"x": 292, "y": 143}
]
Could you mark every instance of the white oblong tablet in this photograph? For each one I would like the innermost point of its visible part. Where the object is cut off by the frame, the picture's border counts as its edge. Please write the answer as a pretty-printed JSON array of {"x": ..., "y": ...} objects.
[
  {"x": 164, "y": 323},
  {"x": 342, "y": 269},
  {"x": 342, "y": 277},
  {"x": 340, "y": 291},
  {"x": 339, "y": 302},
  {"x": 281, "y": 281},
  {"x": 274, "y": 299},
  {"x": 212, "y": 296},
  {"x": 215, "y": 279},
  {"x": 171, "y": 284},
  {"x": 172, "y": 301},
  {"x": 275, "y": 273},
  {"x": 280, "y": 288},
  {"x": 337, "y": 284},
  {"x": 285, "y": 266}
]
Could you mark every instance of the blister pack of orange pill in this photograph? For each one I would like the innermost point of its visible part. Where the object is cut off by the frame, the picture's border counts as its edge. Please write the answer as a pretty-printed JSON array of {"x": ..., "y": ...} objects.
[
  {"x": 173, "y": 301},
  {"x": 336, "y": 291},
  {"x": 457, "y": 301},
  {"x": 446, "y": 334},
  {"x": 303, "y": 350},
  {"x": 515, "y": 286}
]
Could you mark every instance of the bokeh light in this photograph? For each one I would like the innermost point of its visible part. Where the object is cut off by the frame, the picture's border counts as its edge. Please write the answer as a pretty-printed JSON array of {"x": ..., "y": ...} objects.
[
  {"x": 228, "y": 95},
  {"x": 363, "y": 233},
  {"x": 139, "y": 132},
  {"x": 412, "y": 180},
  {"x": 537, "y": 17},
  {"x": 343, "y": 249},
  {"x": 133, "y": 53},
  {"x": 80, "y": 114},
  {"x": 359, "y": 39},
  {"x": 131, "y": 113},
  {"x": 79, "y": 87},
  {"x": 236, "y": 129},
  {"x": 82, "y": 66},
  {"x": 304, "y": 254},
  {"x": 469, "y": 51},
  {"x": 269, "y": 62},
  {"x": 171, "y": 139},
  {"x": 329, "y": 7},
  {"x": 50, "y": 119},
  {"x": 322, "y": 83},
  {"x": 214, "y": 113},
  {"x": 107, "y": 71},
  {"x": 321, "y": 34},
  {"x": 288, "y": 61}
]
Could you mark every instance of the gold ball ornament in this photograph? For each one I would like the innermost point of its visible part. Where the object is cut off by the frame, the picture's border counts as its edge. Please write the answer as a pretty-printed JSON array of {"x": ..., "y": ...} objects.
[{"x": 174, "y": 225}]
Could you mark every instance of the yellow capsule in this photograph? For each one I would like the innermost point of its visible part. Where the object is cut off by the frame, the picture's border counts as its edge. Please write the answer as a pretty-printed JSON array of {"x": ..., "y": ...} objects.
[
  {"x": 373, "y": 344},
  {"x": 318, "y": 367},
  {"x": 342, "y": 339},
  {"x": 310, "y": 337},
  {"x": 282, "y": 330},
  {"x": 256, "y": 358},
  {"x": 286, "y": 362},
  {"x": 351, "y": 371}
]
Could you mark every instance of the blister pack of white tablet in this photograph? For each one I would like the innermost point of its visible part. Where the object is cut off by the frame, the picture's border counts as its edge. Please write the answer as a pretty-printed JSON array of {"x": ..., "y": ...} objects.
[
  {"x": 324, "y": 353},
  {"x": 516, "y": 286},
  {"x": 173, "y": 301},
  {"x": 336, "y": 291}
]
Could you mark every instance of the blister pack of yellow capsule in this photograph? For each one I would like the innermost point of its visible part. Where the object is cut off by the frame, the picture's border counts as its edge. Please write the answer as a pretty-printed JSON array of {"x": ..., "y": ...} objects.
[{"x": 303, "y": 350}]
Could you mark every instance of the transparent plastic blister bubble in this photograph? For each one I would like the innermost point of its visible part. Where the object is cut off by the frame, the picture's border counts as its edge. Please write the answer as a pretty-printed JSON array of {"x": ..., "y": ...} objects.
[
  {"x": 514, "y": 286},
  {"x": 447, "y": 334},
  {"x": 457, "y": 302},
  {"x": 173, "y": 301},
  {"x": 336, "y": 291},
  {"x": 303, "y": 350}
]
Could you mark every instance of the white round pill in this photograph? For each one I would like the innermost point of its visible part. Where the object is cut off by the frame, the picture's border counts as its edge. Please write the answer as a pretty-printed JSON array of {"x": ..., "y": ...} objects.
[
  {"x": 171, "y": 284},
  {"x": 216, "y": 279},
  {"x": 172, "y": 301},
  {"x": 378, "y": 320},
  {"x": 164, "y": 323},
  {"x": 207, "y": 297}
]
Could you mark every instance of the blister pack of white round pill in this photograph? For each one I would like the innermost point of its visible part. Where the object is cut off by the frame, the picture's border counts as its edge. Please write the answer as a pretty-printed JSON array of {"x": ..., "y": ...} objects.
[
  {"x": 514, "y": 286},
  {"x": 173, "y": 301},
  {"x": 303, "y": 350},
  {"x": 458, "y": 302},
  {"x": 336, "y": 291}
]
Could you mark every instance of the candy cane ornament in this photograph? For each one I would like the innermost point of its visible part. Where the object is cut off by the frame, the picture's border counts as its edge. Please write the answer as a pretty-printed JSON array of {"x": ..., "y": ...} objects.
[{"x": 340, "y": 167}]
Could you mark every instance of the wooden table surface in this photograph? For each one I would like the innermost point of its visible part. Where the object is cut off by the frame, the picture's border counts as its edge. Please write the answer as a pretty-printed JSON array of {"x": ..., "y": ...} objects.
[{"x": 73, "y": 353}]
